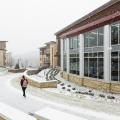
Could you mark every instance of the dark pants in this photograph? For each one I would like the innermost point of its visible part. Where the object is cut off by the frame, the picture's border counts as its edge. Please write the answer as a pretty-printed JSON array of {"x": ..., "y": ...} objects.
[{"x": 24, "y": 88}]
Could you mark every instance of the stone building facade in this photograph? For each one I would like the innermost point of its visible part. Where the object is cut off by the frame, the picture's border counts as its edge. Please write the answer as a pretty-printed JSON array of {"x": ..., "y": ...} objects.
[
  {"x": 48, "y": 55},
  {"x": 2, "y": 53}
]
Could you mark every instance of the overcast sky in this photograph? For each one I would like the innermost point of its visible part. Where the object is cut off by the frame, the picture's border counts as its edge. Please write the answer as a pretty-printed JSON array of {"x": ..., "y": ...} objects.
[{"x": 28, "y": 24}]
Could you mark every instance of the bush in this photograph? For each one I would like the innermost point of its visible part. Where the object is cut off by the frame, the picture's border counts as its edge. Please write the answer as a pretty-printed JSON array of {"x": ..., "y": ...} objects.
[
  {"x": 110, "y": 97},
  {"x": 17, "y": 66},
  {"x": 101, "y": 95}
]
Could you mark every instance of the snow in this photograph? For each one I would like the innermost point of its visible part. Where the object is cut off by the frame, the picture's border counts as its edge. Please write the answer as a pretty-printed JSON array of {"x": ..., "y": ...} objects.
[
  {"x": 53, "y": 114},
  {"x": 64, "y": 89},
  {"x": 3, "y": 71},
  {"x": 13, "y": 114},
  {"x": 41, "y": 76},
  {"x": 14, "y": 98}
]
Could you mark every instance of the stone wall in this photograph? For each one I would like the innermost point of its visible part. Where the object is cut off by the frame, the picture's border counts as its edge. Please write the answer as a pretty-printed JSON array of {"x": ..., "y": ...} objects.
[
  {"x": 16, "y": 70},
  {"x": 36, "y": 83},
  {"x": 91, "y": 82},
  {"x": 76, "y": 79}
]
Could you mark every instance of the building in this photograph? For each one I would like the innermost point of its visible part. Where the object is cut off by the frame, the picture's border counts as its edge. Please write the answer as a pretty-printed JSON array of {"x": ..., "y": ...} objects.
[
  {"x": 42, "y": 56},
  {"x": 9, "y": 59},
  {"x": 48, "y": 55},
  {"x": 53, "y": 54},
  {"x": 90, "y": 49},
  {"x": 2, "y": 53}
]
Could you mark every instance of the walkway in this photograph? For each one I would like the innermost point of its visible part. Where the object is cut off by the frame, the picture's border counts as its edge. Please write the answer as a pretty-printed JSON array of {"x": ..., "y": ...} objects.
[{"x": 13, "y": 97}]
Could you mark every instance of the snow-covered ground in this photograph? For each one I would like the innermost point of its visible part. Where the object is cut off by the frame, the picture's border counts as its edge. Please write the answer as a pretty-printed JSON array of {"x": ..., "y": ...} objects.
[
  {"x": 3, "y": 71},
  {"x": 41, "y": 76},
  {"x": 73, "y": 90},
  {"x": 13, "y": 97}
]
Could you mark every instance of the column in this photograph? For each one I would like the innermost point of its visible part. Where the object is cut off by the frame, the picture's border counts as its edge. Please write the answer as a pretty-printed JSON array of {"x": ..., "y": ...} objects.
[
  {"x": 107, "y": 54},
  {"x": 81, "y": 54},
  {"x": 68, "y": 55},
  {"x": 61, "y": 54}
]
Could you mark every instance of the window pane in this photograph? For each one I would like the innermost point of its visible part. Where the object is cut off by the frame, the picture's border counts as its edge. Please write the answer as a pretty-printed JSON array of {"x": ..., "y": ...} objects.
[
  {"x": 74, "y": 63},
  {"x": 114, "y": 54},
  {"x": 100, "y": 68},
  {"x": 114, "y": 69},
  {"x": 100, "y": 54},
  {"x": 100, "y": 40},
  {"x": 86, "y": 67},
  {"x": 91, "y": 69},
  {"x": 92, "y": 39},
  {"x": 114, "y": 35},
  {"x": 85, "y": 54},
  {"x": 86, "y": 40},
  {"x": 64, "y": 63}
]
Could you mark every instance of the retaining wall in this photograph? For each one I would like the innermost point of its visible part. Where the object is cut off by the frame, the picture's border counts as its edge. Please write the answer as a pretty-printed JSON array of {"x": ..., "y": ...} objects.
[
  {"x": 39, "y": 84},
  {"x": 92, "y": 83}
]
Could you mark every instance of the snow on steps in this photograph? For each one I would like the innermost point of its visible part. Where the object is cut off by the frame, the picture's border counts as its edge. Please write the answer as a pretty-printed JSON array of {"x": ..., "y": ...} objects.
[{"x": 9, "y": 113}]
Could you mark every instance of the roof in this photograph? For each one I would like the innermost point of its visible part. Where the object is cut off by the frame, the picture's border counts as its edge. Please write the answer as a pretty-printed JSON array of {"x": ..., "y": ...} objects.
[
  {"x": 42, "y": 47},
  {"x": 108, "y": 4},
  {"x": 3, "y": 41},
  {"x": 50, "y": 42}
]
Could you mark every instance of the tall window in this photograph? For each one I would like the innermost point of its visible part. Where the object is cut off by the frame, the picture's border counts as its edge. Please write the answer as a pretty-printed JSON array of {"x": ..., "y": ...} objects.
[
  {"x": 74, "y": 57},
  {"x": 74, "y": 63},
  {"x": 115, "y": 55},
  {"x": 94, "y": 38},
  {"x": 65, "y": 55},
  {"x": 64, "y": 62},
  {"x": 74, "y": 42},
  {"x": 93, "y": 65},
  {"x": 115, "y": 33}
]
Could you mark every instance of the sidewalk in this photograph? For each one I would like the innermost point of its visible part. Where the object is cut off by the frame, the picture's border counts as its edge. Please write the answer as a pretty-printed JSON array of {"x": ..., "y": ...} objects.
[{"x": 75, "y": 104}]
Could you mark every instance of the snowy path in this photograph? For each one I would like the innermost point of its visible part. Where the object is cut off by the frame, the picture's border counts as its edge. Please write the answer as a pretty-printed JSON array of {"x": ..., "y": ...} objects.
[{"x": 13, "y": 97}]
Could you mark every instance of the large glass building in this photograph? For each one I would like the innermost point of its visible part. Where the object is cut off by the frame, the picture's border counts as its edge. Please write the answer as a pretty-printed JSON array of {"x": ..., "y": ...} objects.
[{"x": 90, "y": 47}]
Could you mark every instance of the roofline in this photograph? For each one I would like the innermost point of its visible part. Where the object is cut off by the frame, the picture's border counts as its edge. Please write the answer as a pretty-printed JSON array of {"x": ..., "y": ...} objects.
[
  {"x": 42, "y": 47},
  {"x": 94, "y": 12},
  {"x": 50, "y": 42},
  {"x": 3, "y": 41}
]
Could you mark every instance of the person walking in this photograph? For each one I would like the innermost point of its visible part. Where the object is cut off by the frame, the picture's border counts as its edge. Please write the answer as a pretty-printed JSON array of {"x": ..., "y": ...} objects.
[{"x": 24, "y": 83}]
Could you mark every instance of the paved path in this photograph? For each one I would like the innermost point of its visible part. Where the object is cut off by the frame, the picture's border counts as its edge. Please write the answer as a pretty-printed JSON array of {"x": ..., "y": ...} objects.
[{"x": 13, "y": 97}]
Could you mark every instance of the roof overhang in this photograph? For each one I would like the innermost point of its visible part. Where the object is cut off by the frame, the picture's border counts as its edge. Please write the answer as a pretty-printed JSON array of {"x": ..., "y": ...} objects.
[{"x": 95, "y": 24}]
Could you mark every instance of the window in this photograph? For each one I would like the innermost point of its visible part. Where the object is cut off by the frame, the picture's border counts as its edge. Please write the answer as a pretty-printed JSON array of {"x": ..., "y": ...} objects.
[
  {"x": 74, "y": 63},
  {"x": 64, "y": 62},
  {"x": 115, "y": 66},
  {"x": 115, "y": 33},
  {"x": 93, "y": 65},
  {"x": 74, "y": 42},
  {"x": 94, "y": 38}
]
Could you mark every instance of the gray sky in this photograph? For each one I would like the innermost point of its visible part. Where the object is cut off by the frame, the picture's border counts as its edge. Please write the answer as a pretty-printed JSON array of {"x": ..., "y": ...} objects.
[{"x": 28, "y": 24}]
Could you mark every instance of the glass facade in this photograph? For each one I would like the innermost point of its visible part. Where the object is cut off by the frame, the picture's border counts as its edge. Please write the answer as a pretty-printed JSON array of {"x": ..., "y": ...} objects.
[
  {"x": 74, "y": 54},
  {"x": 94, "y": 53},
  {"x": 115, "y": 54}
]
